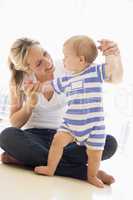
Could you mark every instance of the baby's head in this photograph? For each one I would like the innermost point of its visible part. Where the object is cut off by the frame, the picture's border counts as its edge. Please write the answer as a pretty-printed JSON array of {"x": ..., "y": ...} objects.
[{"x": 79, "y": 52}]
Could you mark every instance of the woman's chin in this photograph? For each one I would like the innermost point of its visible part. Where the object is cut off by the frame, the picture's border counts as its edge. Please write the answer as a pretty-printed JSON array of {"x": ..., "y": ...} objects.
[{"x": 50, "y": 76}]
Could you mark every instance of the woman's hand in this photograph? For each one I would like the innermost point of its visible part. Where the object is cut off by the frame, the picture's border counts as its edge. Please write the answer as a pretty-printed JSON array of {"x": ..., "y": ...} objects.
[
  {"x": 31, "y": 90},
  {"x": 108, "y": 47},
  {"x": 114, "y": 67}
]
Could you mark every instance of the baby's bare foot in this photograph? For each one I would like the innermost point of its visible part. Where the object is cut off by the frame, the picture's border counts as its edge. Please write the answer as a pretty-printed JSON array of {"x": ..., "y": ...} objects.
[
  {"x": 43, "y": 170},
  {"x": 105, "y": 178},
  {"x": 96, "y": 182}
]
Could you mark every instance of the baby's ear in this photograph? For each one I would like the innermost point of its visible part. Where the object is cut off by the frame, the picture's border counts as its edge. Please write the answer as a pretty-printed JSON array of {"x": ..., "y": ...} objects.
[{"x": 82, "y": 59}]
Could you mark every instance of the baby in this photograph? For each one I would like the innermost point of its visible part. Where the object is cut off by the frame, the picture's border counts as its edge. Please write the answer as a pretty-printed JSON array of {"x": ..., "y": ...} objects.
[{"x": 83, "y": 120}]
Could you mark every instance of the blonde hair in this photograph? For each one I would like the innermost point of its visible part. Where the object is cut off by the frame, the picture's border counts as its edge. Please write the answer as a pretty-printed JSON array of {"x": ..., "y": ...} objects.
[
  {"x": 17, "y": 60},
  {"x": 83, "y": 46}
]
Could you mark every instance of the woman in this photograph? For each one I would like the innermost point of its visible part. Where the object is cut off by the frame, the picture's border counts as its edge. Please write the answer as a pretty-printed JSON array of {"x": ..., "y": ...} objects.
[{"x": 35, "y": 117}]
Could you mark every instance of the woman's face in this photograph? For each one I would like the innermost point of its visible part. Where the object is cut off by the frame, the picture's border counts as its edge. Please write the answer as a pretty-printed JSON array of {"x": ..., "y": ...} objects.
[{"x": 40, "y": 62}]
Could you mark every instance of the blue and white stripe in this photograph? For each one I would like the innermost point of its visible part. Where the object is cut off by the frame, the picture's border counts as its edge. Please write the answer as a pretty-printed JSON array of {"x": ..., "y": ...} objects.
[{"x": 84, "y": 116}]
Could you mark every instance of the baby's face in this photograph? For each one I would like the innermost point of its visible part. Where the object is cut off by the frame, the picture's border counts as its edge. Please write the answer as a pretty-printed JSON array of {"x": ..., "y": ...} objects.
[{"x": 71, "y": 60}]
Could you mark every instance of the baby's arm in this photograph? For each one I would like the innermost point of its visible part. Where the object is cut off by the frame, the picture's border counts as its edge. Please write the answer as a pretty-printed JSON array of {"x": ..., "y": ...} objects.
[
  {"x": 114, "y": 68},
  {"x": 53, "y": 85}
]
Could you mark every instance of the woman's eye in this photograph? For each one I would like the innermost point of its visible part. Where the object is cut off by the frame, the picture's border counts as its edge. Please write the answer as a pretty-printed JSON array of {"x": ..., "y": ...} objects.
[{"x": 39, "y": 63}]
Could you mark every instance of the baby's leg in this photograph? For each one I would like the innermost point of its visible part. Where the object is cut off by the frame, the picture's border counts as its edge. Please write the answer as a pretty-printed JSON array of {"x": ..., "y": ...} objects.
[
  {"x": 61, "y": 139},
  {"x": 94, "y": 158}
]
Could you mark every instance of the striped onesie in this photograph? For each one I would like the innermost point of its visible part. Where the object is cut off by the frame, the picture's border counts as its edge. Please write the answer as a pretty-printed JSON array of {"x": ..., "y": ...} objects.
[{"x": 84, "y": 116}]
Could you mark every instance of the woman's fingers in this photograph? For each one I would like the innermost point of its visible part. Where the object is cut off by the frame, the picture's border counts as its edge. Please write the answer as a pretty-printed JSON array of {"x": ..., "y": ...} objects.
[
  {"x": 108, "y": 47},
  {"x": 31, "y": 87},
  {"x": 33, "y": 94},
  {"x": 105, "y": 44},
  {"x": 111, "y": 51},
  {"x": 36, "y": 87},
  {"x": 28, "y": 89}
]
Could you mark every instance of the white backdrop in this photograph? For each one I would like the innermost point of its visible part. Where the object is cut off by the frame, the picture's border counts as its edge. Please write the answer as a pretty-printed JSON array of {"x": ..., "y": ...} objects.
[{"x": 52, "y": 21}]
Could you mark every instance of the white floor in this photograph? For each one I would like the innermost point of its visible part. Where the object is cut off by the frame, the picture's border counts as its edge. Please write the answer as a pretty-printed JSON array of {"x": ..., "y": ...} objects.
[{"x": 21, "y": 184}]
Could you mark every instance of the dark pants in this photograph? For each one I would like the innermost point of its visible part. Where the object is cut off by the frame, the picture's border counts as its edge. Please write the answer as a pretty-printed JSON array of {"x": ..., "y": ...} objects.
[{"x": 31, "y": 147}]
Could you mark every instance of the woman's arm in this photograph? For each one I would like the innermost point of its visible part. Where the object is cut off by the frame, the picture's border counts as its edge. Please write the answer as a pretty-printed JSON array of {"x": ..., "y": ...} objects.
[
  {"x": 20, "y": 112},
  {"x": 114, "y": 67}
]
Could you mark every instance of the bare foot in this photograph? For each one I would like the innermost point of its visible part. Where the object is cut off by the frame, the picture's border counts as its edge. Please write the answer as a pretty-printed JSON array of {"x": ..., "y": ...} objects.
[
  {"x": 7, "y": 159},
  {"x": 105, "y": 178},
  {"x": 96, "y": 181},
  {"x": 43, "y": 170}
]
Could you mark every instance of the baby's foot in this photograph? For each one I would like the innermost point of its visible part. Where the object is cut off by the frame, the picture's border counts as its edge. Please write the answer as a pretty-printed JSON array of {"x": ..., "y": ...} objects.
[
  {"x": 105, "y": 178},
  {"x": 96, "y": 181},
  {"x": 43, "y": 170}
]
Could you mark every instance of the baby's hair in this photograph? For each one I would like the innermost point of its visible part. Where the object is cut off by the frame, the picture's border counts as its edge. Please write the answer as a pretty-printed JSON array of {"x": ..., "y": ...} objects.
[{"x": 83, "y": 46}]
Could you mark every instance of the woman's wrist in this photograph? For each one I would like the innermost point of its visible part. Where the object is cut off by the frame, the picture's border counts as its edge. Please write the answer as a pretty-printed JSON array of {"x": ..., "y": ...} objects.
[
  {"x": 28, "y": 106},
  {"x": 32, "y": 100}
]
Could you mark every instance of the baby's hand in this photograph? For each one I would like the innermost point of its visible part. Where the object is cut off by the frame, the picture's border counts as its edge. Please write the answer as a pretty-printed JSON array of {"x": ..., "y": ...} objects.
[{"x": 46, "y": 87}]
